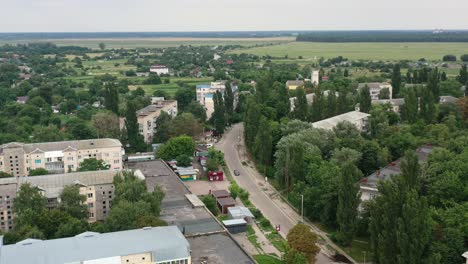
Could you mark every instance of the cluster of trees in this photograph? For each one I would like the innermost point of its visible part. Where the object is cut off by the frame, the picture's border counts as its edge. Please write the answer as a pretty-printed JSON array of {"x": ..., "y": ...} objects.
[
  {"x": 133, "y": 207},
  {"x": 383, "y": 36}
]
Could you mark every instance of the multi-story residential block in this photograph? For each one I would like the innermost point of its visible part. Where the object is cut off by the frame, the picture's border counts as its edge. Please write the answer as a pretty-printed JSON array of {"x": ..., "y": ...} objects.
[
  {"x": 147, "y": 116},
  {"x": 315, "y": 78},
  {"x": 359, "y": 119},
  {"x": 396, "y": 103},
  {"x": 375, "y": 89},
  {"x": 97, "y": 186},
  {"x": 159, "y": 69},
  {"x": 17, "y": 159},
  {"x": 205, "y": 94},
  {"x": 293, "y": 85},
  {"x": 159, "y": 245}
]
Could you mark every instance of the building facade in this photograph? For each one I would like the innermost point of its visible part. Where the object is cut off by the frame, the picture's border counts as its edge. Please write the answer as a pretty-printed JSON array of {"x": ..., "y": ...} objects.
[
  {"x": 376, "y": 88},
  {"x": 159, "y": 69},
  {"x": 149, "y": 245},
  {"x": 315, "y": 79},
  {"x": 359, "y": 119},
  {"x": 148, "y": 115},
  {"x": 293, "y": 85},
  {"x": 17, "y": 159},
  {"x": 96, "y": 186}
]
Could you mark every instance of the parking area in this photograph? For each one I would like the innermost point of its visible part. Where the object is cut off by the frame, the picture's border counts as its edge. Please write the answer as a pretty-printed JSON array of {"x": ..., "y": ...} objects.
[{"x": 203, "y": 187}]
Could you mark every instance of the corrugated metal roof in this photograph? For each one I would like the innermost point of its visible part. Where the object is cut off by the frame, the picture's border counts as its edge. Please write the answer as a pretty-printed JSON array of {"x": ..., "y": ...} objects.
[
  {"x": 165, "y": 243},
  {"x": 240, "y": 212},
  {"x": 330, "y": 123},
  {"x": 62, "y": 145},
  {"x": 234, "y": 222}
]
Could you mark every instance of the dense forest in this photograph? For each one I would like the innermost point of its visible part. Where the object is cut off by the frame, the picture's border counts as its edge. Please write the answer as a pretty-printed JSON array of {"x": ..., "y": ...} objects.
[{"x": 384, "y": 36}]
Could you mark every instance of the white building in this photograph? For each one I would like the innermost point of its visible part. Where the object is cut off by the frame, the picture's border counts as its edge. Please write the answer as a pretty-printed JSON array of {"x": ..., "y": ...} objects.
[
  {"x": 375, "y": 89},
  {"x": 315, "y": 77},
  {"x": 159, "y": 69},
  {"x": 359, "y": 119},
  {"x": 205, "y": 93}
]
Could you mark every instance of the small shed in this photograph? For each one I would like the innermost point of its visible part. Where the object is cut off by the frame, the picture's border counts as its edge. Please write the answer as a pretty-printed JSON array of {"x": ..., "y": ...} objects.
[
  {"x": 218, "y": 194},
  {"x": 241, "y": 212},
  {"x": 225, "y": 203},
  {"x": 187, "y": 174},
  {"x": 235, "y": 225}
]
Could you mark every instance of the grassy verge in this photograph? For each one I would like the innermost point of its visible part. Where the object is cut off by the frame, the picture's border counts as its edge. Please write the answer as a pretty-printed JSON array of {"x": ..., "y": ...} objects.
[
  {"x": 267, "y": 259},
  {"x": 252, "y": 237},
  {"x": 278, "y": 241}
]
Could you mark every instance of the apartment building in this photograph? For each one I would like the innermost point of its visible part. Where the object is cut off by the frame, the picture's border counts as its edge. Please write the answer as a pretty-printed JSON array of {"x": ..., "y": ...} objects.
[
  {"x": 17, "y": 159},
  {"x": 159, "y": 69},
  {"x": 375, "y": 89},
  {"x": 148, "y": 115},
  {"x": 205, "y": 93},
  {"x": 294, "y": 84},
  {"x": 160, "y": 245},
  {"x": 97, "y": 186}
]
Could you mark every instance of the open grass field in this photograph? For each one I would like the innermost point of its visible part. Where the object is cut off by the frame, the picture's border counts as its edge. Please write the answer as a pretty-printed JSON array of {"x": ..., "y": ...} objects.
[
  {"x": 172, "y": 87},
  {"x": 130, "y": 43},
  {"x": 311, "y": 51}
]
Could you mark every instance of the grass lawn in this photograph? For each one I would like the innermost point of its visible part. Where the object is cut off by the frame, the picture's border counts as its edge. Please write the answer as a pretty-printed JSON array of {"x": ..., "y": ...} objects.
[
  {"x": 360, "y": 247},
  {"x": 311, "y": 51},
  {"x": 278, "y": 241},
  {"x": 267, "y": 259},
  {"x": 172, "y": 87}
]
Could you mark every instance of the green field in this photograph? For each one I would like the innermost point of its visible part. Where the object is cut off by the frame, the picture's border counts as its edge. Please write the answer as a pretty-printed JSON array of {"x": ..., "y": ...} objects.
[
  {"x": 172, "y": 87},
  {"x": 129, "y": 43},
  {"x": 312, "y": 51}
]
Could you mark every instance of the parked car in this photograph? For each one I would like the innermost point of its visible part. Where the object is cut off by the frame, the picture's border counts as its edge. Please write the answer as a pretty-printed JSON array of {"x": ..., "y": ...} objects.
[{"x": 236, "y": 172}]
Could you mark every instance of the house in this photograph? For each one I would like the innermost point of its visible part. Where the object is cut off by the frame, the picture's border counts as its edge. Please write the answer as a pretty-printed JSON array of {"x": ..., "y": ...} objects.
[
  {"x": 142, "y": 74},
  {"x": 359, "y": 119},
  {"x": 448, "y": 100},
  {"x": 368, "y": 185},
  {"x": 159, "y": 69},
  {"x": 148, "y": 116},
  {"x": 18, "y": 159},
  {"x": 375, "y": 88},
  {"x": 293, "y": 85},
  {"x": 396, "y": 103},
  {"x": 164, "y": 244},
  {"x": 97, "y": 186},
  {"x": 225, "y": 203},
  {"x": 240, "y": 212},
  {"x": 22, "y": 99}
]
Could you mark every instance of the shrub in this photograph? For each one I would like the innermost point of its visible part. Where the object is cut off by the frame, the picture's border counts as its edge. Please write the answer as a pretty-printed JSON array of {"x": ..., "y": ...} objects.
[{"x": 449, "y": 58}]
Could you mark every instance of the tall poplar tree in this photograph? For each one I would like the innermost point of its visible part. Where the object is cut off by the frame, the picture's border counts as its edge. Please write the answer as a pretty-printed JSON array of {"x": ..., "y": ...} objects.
[
  {"x": 365, "y": 100},
  {"x": 433, "y": 84},
  {"x": 219, "y": 114},
  {"x": 300, "y": 105},
  {"x": 135, "y": 140},
  {"x": 318, "y": 110},
  {"x": 252, "y": 115},
  {"x": 111, "y": 97},
  {"x": 263, "y": 142},
  {"x": 463, "y": 75},
  {"x": 331, "y": 104},
  {"x": 229, "y": 99},
  {"x": 396, "y": 80},
  {"x": 427, "y": 106},
  {"x": 410, "y": 108}
]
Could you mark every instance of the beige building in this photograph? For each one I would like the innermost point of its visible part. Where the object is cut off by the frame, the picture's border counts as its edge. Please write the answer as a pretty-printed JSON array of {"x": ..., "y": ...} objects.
[
  {"x": 18, "y": 159},
  {"x": 147, "y": 116},
  {"x": 149, "y": 245},
  {"x": 375, "y": 89},
  {"x": 205, "y": 93},
  {"x": 293, "y": 85},
  {"x": 359, "y": 119},
  {"x": 97, "y": 186}
]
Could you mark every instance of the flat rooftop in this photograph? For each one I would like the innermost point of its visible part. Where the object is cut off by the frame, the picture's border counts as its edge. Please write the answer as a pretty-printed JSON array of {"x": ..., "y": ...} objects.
[
  {"x": 165, "y": 243},
  {"x": 154, "y": 107},
  {"x": 62, "y": 145},
  {"x": 330, "y": 123}
]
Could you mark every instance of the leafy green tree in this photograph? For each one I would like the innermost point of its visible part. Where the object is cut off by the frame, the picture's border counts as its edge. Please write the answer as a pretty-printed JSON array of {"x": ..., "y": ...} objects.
[
  {"x": 135, "y": 139},
  {"x": 124, "y": 215},
  {"x": 263, "y": 142},
  {"x": 331, "y": 106},
  {"x": 427, "y": 107},
  {"x": 348, "y": 202},
  {"x": 303, "y": 240},
  {"x": 149, "y": 220},
  {"x": 463, "y": 75},
  {"x": 184, "y": 160},
  {"x": 71, "y": 228},
  {"x": 102, "y": 46},
  {"x": 282, "y": 103},
  {"x": 49, "y": 221},
  {"x": 38, "y": 172},
  {"x": 128, "y": 187},
  {"x": 185, "y": 124},
  {"x": 29, "y": 199},
  {"x": 300, "y": 105},
  {"x": 72, "y": 202},
  {"x": 319, "y": 108},
  {"x": 197, "y": 110},
  {"x": 107, "y": 124},
  {"x": 111, "y": 97},
  {"x": 433, "y": 84},
  {"x": 210, "y": 203},
  {"x": 163, "y": 124},
  {"x": 234, "y": 189},
  {"x": 384, "y": 94},
  {"x": 92, "y": 164},
  {"x": 229, "y": 99},
  {"x": 252, "y": 116},
  {"x": 410, "y": 108},
  {"x": 294, "y": 257},
  {"x": 219, "y": 114},
  {"x": 182, "y": 145},
  {"x": 153, "y": 79},
  {"x": 365, "y": 100},
  {"x": 396, "y": 80},
  {"x": 184, "y": 96}
]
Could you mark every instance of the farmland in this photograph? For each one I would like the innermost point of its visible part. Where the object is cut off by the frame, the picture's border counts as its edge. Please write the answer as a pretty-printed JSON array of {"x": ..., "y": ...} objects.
[
  {"x": 129, "y": 43},
  {"x": 311, "y": 51}
]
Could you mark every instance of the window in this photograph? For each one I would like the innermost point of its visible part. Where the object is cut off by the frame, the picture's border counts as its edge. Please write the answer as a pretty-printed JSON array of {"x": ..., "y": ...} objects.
[
  {"x": 70, "y": 158},
  {"x": 90, "y": 205},
  {"x": 37, "y": 161},
  {"x": 49, "y": 159},
  {"x": 116, "y": 161},
  {"x": 90, "y": 195}
]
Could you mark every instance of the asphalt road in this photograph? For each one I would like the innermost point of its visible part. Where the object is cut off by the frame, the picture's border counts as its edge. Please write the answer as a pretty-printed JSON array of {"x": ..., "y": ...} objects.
[{"x": 262, "y": 194}]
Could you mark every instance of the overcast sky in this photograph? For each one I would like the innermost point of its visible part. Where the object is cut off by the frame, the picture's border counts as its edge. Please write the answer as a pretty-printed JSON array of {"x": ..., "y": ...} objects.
[{"x": 229, "y": 15}]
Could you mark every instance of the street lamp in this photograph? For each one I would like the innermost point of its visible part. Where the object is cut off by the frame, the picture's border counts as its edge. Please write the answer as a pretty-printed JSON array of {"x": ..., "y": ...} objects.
[{"x": 302, "y": 208}]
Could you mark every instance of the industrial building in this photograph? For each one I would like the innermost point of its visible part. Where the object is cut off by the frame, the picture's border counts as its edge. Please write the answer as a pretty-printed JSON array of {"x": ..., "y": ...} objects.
[
  {"x": 359, "y": 119},
  {"x": 160, "y": 245}
]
